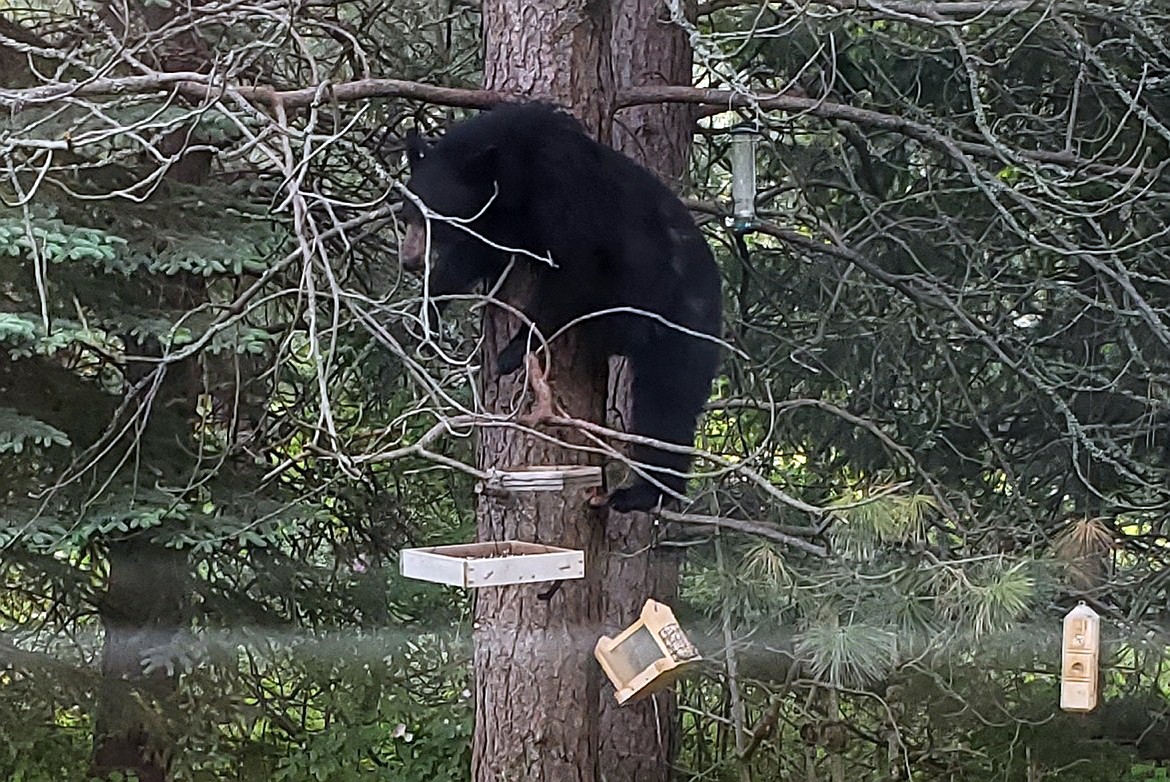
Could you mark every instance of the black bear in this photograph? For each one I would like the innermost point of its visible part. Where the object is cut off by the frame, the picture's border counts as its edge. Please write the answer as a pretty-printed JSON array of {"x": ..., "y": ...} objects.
[{"x": 527, "y": 177}]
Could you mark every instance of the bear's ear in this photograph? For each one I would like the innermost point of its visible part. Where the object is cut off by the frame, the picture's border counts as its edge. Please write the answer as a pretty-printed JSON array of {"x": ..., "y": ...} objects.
[{"x": 416, "y": 147}]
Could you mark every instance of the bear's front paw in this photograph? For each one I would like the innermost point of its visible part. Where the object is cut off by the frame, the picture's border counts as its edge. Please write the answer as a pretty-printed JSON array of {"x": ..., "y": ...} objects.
[
  {"x": 639, "y": 496},
  {"x": 511, "y": 357}
]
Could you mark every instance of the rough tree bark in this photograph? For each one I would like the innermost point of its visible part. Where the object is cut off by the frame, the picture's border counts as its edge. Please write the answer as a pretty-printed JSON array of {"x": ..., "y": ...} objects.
[
  {"x": 638, "y": 741},
  {"x": 536, "y": 682}
]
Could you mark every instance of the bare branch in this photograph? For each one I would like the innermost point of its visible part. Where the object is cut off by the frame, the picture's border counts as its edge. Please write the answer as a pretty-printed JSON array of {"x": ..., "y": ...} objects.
[
  {"x": 901, "y": 8},
  {"x": 757, "y": 528},
  {"x": 638, "y": 96},
  {"x": 203, "y": 87}
]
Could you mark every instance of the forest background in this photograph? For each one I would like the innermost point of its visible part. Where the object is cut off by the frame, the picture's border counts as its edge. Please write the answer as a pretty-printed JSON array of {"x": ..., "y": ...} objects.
[{"x": 940, "y": 423}]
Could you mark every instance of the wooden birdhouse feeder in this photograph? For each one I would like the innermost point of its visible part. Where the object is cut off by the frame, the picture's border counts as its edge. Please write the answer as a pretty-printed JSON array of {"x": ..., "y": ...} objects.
[
  {"x": 498, "y": 563},
  {"x": 647, "y": 656},
  {"x": 1079, "y": 659}
]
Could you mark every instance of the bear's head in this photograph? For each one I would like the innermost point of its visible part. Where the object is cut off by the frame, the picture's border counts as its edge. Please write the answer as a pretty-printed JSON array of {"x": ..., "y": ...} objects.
[{"x": 456, "y": 189}]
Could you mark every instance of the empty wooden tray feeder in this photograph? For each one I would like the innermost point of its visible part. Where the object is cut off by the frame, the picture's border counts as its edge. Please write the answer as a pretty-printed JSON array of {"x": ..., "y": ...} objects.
[
  {"x": 492, "y": 564},
  {"x": 647, "y": 656},
  {"x": 551, "y": 477}
]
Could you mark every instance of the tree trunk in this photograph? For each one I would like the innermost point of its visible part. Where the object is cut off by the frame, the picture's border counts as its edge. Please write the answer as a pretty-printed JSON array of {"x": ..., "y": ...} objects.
[
  {"x": 555, "y": 50},
  {"x": 638, "y": 741},
  {"x": 142, "y": 610},
  {"x": 535, "y": 678}
]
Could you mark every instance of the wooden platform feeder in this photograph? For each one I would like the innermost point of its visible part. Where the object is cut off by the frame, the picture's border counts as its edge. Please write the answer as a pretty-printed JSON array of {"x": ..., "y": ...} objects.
[
  {"x": 647, "y": 656},
  {"x": 498, "y": 563},
  {"x": 492, "y": 564}
]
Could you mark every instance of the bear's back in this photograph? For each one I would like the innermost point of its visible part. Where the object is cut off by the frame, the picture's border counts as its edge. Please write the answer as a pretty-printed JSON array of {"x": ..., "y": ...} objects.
[
  {"x": 540, "y": 146},
  {"x": 515, "y": 130},
  {"x": 612, "y": 225}
]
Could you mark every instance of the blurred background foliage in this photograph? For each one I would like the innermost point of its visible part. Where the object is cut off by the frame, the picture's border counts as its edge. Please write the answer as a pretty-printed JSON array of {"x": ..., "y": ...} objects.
[{"x": 218, "y": 402}]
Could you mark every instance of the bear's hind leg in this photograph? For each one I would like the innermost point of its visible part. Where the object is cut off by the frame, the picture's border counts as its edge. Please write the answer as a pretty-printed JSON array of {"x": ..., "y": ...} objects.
[{"x": 669, "y": 389}]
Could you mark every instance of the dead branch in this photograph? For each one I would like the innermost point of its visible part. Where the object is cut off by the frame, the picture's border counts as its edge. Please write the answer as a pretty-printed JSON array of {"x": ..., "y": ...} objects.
[{"x": 757, "y": 528}]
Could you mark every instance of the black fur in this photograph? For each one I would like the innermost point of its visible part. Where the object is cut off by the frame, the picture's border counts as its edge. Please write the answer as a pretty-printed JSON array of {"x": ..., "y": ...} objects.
[{"x": 619, "y": 238}]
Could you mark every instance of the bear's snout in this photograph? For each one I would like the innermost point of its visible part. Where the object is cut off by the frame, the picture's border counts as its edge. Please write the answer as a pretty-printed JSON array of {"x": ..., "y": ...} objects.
[{"x": 412, "y": 250}]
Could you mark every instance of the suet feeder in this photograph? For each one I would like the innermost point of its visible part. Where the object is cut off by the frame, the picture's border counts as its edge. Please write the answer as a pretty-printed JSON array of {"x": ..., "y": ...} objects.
[
  {"x": 743, "y": 175},
  {"x": 1079, "y": 659},
  {"x": 647, "y": 656}
]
